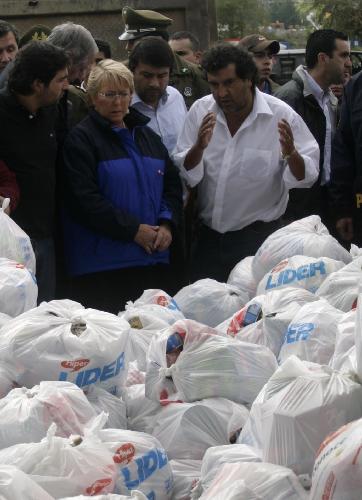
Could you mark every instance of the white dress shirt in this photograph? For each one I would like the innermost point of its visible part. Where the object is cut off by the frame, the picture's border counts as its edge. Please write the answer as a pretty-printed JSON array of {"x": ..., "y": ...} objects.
[
  {"x": 328, "y": 103},
  {"x": 168, "y": 118},
  {"x": 243, "y": 179}
]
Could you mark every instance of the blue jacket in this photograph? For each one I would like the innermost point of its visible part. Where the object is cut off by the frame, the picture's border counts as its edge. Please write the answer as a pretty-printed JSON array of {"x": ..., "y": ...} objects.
[{"x": 116, "y": 179}]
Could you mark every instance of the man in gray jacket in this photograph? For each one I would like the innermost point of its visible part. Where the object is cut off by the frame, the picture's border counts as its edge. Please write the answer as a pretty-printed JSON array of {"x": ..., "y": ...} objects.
[{"x": 327, "y": 60}]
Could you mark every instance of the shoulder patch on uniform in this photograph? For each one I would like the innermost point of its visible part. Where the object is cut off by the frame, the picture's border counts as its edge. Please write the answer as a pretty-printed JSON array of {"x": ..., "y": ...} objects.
[{"x": 187, "y": 91}]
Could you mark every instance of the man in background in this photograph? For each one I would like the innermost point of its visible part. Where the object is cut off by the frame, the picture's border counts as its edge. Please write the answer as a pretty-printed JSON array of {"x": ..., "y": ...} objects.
[
  {"x": 186, "y": 45},
  {"x": 9, "y": 40}
]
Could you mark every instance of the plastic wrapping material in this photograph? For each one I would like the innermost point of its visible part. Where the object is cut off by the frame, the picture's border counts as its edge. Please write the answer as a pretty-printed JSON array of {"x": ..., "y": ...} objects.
[
  {"x": 216, "y": 456},
  {"x": 358, "y": 334},
  {"x": 83, "y": 346},
  {"x": 141, "y": 411},
  {"x": 306, "y": 236},
  {"x": 156, "y": 303},
  {"x": 255, "y": 481},
  {"x": 299, "y": 272},
  {"x": 341, "y": 288},
  {"x": 187, "y": 430},
  {"x": 210, "y": 365},
  {"x": 15, "y": 485},
  {"x": 186, "y": 473},
  {"x": 18, "y": 288},
  {"x": 297, "y": 408},
  {"x": 210, "y": 302},
  {"x": 134, "y": 495},
  {"x": 337, "y": 473},
  {"x": 344, "y": 356},
  {"x": 103, "y": 401},
  {"x": 7, "y": 379},
  {"x": 135, "y": 375},
  {"x": 143, "y": 326},
  {"x": 65, "y": 466},
  {"x": 26, "y": 414},
  {"x": 141, "y": 461},
  {"x": 311, "y": 334},
  {"x": 14, "y": 242},
  {"x": 4, "y": 318},
  {"x": 242, "y": 277}
]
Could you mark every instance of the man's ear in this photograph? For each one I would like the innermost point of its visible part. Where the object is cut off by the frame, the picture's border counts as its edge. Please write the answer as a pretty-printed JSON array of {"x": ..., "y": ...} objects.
[
  {"x": 38, "y": 87},
  {"x": 323, "y": 57}
]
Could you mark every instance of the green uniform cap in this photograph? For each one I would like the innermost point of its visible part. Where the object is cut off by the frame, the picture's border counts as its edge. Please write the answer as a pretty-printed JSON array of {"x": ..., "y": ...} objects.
[
  {"x": 140, "y": 22},
  {"x": 37, "y": 33}
]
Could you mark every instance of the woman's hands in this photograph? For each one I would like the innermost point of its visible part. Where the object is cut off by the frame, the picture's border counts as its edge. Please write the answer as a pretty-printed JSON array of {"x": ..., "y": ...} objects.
[{"x": 154, "y": 238}]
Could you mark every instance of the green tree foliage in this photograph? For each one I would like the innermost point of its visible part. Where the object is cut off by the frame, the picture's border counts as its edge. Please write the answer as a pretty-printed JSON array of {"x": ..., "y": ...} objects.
[
  {"x": 238, "y": 18},
  {"x": 285, "y": 12},
  {"x": 343, "y": 15}
]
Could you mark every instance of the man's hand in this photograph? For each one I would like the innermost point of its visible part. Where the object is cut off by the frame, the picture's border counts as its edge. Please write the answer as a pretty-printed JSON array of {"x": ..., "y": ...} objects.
[
  {"x": 206, "y": 130},
  {"x": 345, "y": 228},
  {"x": 146, "y": 237},
  {"x": 286, "y": 138},
  {"x": 195, "y": 154},
  {"x": 7, "y": 210}
]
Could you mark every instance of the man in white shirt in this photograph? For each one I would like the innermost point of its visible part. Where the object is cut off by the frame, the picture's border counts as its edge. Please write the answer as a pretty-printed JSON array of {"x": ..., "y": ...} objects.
[
  {"x": 245, "y": 150},
  {"x": 327, "y": 56},
  {"x": 151, "y": 62}
]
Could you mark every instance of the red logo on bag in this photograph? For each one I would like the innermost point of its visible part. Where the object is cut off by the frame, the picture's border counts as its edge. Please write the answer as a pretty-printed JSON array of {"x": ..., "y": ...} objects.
[
  {"x": 354, "y": 305},
  {"x": 98, "y": 486},
  {"x": 124, "y": 454},
  {"x": 280, "y": 266},
  {"x": 162, "y": 301},
  {"x": 75, "y": 365},
  {"x": 236, "y": 323},
  {"x": 20, "y": 266}
]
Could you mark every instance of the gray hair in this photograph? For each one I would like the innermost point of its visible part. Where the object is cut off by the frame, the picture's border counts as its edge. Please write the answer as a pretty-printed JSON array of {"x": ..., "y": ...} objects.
[
  {"x": 109, "y": 71},
  {"x": 75, "y": 39}
]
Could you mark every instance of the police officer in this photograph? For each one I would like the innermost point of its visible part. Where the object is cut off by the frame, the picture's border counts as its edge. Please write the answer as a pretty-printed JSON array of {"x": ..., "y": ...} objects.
[{"x": 185, "y": 77}]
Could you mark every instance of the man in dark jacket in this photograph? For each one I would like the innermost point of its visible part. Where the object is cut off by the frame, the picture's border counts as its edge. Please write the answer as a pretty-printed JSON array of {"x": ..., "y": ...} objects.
[
  {"x": 8, "y": 187},
  {"x": 327, "y": 59},
  {"x": 28, "y": 147},
  {"x": 346, "y": 167}
]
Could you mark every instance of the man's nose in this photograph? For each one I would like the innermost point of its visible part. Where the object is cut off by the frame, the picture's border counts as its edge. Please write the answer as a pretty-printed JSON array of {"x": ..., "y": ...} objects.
[{"x": 221, "y": 91}]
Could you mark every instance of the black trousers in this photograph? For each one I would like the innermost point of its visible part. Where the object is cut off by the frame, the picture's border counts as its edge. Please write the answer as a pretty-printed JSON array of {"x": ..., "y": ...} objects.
[
  {"x": 110, "y": 290},
  {"x": 214, "y": 254}
]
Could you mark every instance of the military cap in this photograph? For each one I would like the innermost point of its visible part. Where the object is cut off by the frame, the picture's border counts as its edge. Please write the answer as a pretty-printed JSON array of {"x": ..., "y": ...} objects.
[
  {"x": 141, "y": 22},
  {"x": 37, "y": 33},
  {"x": 258, "y": 43}
]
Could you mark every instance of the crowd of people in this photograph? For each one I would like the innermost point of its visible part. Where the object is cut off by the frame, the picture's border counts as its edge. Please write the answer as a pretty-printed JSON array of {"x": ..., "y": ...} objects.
[{"x": 174, "y": 165}]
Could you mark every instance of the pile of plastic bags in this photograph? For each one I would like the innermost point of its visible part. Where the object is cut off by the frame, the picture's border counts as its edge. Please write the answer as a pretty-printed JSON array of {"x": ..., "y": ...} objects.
[{"x": 245, "y": 390}]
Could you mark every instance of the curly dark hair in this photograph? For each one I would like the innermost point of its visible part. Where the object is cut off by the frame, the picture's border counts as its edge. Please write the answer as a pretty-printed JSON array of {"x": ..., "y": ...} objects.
[{"x": 223, "y": 54}]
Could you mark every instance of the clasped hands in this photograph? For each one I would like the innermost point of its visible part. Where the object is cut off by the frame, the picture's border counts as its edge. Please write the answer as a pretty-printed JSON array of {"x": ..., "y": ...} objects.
[{"x": 154, "y": 238}]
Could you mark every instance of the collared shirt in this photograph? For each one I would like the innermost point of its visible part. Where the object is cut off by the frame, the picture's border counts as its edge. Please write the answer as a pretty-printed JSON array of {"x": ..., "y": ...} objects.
[
  {"x": 243, "y": 179},
  {"x": 168, "y": 118},
  {"x": 328, "y": 103}
]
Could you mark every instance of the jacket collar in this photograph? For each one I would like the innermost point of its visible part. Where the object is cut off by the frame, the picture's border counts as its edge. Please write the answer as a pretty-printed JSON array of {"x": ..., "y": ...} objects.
[{"x": 300, "y": 77}]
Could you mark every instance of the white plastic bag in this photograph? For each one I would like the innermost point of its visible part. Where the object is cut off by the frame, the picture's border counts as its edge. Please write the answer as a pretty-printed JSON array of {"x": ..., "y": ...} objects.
[
  {"x": 306, "y": 236},
  {"x": 301, "y": 403},
  {"x": 186, "y": 473},
  {"x": 157, "y": 303},
  {"x": 4, "y": 318},
  {"x": 7, "y": 379},
  {"x": 299, "y": 272},
  {"x": 210, "y": 365},
  {"x": 210, "y": 302},
  {"x": 187, "y": 430},
  {"x": 337, "y": 473},
  {"x": 312, "y": 332},
  {"x": 134, "y": 495},
  {"x": 65, "y": 466},
  {"x": 255, "y": 481},
  {"x": 141, "y": 411},
  {"x": 358, "y": 333},
  {"x": 15, "y": 485},
  {"x": 26, "y": 414},
  {"x": 103, "y": 401},
  {"x": 83, "y": 346},
  {"x": 135, "y": 375},
  {"x": 344, "y": 356},
  {"x": 242, "y": 277},
  {"x": 143, "y": 325},
  {"x": 341, "y": 288},
  {"x": 216, "y": 456},
  {"x": 14, "y": 242},
  {"x": 18, "y": 288},
  {"x": 141, "y": 461}
]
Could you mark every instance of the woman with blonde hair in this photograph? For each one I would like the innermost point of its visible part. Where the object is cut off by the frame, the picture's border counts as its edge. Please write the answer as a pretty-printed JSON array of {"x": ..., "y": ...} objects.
[{"x": 123, "y": 197}]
